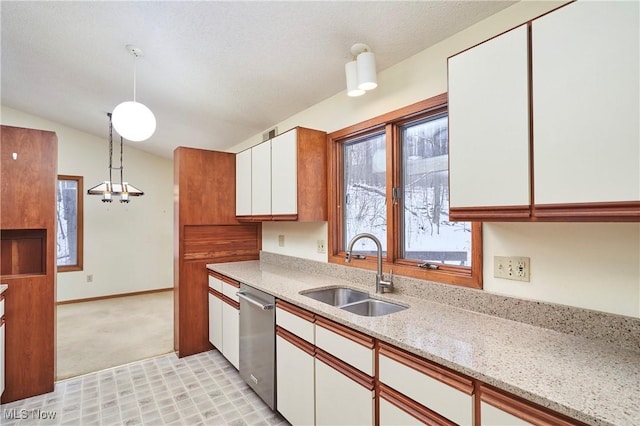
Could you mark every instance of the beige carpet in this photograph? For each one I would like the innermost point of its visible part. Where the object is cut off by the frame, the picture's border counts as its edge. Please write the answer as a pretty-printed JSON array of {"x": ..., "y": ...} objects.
[{"x": 105, "y": 333}]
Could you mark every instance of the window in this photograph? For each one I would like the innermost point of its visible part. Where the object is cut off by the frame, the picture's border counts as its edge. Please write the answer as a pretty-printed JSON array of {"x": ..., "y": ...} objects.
[
  {"x": 69, "y": 223},
  {"x": 390, "y": 178}
]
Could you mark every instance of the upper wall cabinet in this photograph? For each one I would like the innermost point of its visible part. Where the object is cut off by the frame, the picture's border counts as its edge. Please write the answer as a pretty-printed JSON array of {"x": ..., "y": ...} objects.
[
  {"x": 544, "y": 119},
  {"x": 283, "y": 178}
]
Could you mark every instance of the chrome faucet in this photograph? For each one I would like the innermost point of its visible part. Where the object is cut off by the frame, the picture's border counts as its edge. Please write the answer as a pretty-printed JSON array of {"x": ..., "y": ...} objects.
[{"x": 381, "y": 284}]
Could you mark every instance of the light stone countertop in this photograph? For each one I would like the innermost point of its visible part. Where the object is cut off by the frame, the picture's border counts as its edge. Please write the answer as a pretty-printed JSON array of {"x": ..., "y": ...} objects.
[
  {"x": 588, "y": 380},
  {"x": 3, "y": 287}
]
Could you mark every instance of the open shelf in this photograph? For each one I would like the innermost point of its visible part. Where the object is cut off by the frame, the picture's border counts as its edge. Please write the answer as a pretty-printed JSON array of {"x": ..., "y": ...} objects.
[{"x": 23, "y": 252}]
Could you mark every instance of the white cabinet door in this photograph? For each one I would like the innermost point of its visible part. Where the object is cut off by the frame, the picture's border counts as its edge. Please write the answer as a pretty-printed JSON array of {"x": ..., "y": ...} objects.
[
  {"x": 215, "y": 321},
  {"x": 295, "y": 383},
  {"x": 340, "y": 400},
  {"x": 2, "y": 359},
  {"x": 492, "y": 416},
  {"x": 243, "y": 183},
  {"x": 231, "y": 334},
  {"x": 261, "y": 179},
  {"x": 489, "y": 123},
  {"x": 284, "y": 173},
  {"x": 586, "y": 103},
  {"x": 390, "y": 415}
]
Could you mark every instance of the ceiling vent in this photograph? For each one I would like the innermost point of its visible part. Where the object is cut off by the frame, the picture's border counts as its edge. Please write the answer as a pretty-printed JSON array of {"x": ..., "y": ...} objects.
[{"x": 270, "y": 134}]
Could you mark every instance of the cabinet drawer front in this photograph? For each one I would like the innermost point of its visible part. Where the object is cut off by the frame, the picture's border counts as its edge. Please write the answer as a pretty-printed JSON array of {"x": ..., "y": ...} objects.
[
  {"x": 442, "y": 398},
  {"x": 492, "y": 416},
  {"x": 295, "y": 324},
  {"x": 338, "y": 343},
  {"x": 215, "y": 283},
  {"x": 230, "y": 291},
  {"x": 392, "y": 415}
]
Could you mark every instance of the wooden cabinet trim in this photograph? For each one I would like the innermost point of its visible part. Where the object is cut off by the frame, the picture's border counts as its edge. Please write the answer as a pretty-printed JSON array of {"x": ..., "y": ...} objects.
[
  {"x": 284, "y": 217},
  {"x": 623, "y": 210},
  {"x": 296, "y": 341},
  {"x": 342, "y": 367},
  {"x": 296, "y": 310},
  {"x": 230, "y": 281},
  {"x": 2, "y": 321},
  {"x": 230, "y": 302},
  {"x": 346, "y": 332},
  {"x": 432, "y": 370},
  {"x": 411, "y": 407},
  {"x": 497, "y": 212},
  {"x": 215, "y": 293},
  {"x": 523, "y": 409},
  {"x": 215, "y": 274}
]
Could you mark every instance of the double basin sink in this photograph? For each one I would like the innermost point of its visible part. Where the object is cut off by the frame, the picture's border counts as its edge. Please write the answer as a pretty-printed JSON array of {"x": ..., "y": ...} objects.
[{"x": 354, "y": 301}]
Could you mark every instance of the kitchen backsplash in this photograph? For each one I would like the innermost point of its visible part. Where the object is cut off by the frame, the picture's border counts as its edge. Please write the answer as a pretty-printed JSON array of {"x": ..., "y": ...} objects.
[{"x": 622, "y": 331}]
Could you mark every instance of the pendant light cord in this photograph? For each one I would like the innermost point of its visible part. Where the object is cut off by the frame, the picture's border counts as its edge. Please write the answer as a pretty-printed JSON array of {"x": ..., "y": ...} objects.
[
  {"x": 110, "y": 148},
  {"x": 135, "y": 65}
]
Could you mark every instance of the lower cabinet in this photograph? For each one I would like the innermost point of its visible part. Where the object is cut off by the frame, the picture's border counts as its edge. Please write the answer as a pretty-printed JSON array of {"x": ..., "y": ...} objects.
[
  {"x": 397, "y": 409},
  {"x": 224, "y": 317},
  {"x": 2, "y": 329},
  {"x": 295, "y": 378}
]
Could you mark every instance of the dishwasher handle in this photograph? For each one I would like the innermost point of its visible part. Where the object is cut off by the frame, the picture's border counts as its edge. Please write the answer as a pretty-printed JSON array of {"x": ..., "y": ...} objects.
[{"x": 259, "y": 304}]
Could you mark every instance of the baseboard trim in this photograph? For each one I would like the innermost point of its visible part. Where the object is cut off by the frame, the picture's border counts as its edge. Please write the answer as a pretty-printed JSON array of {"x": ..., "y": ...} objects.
[{"x": 113, "y": 296}]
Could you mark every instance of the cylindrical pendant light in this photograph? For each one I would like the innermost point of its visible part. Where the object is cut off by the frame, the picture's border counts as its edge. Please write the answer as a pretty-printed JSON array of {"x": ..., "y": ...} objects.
[
  {"x": 352, "y": 79},
  {"x": 367, "y": 79}
]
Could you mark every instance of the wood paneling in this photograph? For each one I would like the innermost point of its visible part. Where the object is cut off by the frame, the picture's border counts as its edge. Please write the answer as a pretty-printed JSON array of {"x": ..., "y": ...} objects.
[
  {"x": 28, "y": 202},
  {"x": 205, "y": 231}
]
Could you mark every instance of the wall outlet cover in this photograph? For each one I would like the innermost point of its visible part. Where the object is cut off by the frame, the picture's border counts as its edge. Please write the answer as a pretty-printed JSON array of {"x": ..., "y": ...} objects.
[{"x": 511, "y": 268}]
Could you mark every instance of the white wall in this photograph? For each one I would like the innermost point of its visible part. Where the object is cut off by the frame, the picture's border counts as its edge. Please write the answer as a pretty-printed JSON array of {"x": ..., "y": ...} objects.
[
  {"x": 589, "y": 265},
  {"x": 127, "y": 247}
]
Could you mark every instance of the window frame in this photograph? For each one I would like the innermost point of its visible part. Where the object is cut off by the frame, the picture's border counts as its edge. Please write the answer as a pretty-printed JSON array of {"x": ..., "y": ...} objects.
[
  {"x": 80, "y": 225},
  {"x": 391, "y": 123}
]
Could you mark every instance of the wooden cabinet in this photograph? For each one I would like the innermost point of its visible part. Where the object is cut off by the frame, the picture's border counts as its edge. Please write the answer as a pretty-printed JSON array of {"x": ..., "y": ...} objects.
[
  {"x": 586, "y": 122},
  {"x": 499, "y": 408},
  {"x": 224, "y": 316},
  {"x": 28, "y": 180},
  {"x": 295, "y": 364},
  {"x": 489, "y": 145},
  {"x": 447, "y": 395},
  {"x": 205, "y": 231},
  {"x": 288, "y": 178},
  {"x": 544, "y": 119},
  {"x": 2, "y": 328}
]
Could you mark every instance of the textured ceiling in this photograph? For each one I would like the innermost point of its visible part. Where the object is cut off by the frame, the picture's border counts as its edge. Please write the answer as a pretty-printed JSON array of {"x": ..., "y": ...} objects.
[{"x": 214, "y": 73}]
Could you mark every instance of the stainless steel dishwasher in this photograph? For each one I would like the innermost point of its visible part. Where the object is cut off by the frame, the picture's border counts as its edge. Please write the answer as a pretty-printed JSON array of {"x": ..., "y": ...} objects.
[{"x": 257, "y": 342}]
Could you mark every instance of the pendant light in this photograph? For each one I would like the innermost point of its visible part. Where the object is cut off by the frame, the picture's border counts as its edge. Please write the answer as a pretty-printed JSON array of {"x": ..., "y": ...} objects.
[
  {"x": 361, "y": 71},
  {"x": 108, "y": 189},
  {"x": 131, "y": 119}
]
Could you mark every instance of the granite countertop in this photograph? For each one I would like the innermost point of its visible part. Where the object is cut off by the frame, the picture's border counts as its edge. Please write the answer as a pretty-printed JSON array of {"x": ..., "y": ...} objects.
[
  {"x": 3, "y": 287},
  {"x": 591, "y": 381}
]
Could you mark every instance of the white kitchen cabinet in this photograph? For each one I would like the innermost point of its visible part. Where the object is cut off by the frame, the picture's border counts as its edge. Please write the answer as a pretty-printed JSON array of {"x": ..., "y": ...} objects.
[
  {"x": 288, "y": 178},
  {"x": 391, "y": 414},
  {"x": 397, "y": 409},
  {"x": 261, "y": 179},
  {"x": 350, "y": 346},
  {"x": 586, "y": 103},
  {"x": 284, "y": 174},
  {"x": 493, "y": 416},
  {"x": 489, "y": 124},
  {"x": 231, "y": 333},
  {"x": 2, "y": 343},
  {"x": 243, "y": 183},
  {"x": 295, "y": 379},
  {"x": 341, "y": 399},
  {"x": 215, "y": 320},
  {"x": 439, "y": 390}
]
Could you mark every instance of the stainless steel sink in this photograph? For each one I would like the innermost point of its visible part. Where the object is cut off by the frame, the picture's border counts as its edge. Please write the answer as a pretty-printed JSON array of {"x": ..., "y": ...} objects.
[
  {"x": 338, "y": 296},
  {"x": 373, "y": 308},
  {"x": 354, "y": 301}
]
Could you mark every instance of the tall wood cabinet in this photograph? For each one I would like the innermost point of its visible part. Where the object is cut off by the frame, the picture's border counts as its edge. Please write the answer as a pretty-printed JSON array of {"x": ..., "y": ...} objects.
[
  {"x": 544, "y": 120},
  {"x": 28, "y": 176},
  {"x": 206, "y": 231}
]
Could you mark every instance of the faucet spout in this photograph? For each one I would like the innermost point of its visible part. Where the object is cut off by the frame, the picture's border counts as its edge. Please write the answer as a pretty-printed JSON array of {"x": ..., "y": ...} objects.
[{"x": 381, "y": 284}]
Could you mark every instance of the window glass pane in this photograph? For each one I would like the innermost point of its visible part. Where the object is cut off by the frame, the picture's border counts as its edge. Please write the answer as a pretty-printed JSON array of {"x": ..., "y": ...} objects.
[
  {"x": 428, "y": 234},
  {"x": 67, "y": 218},
  {"x": 365, "y": 207}
]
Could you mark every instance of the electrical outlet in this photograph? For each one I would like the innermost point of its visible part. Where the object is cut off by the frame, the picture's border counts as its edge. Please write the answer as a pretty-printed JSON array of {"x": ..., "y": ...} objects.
[
  {"x": 280, "y": 240},
  {"x": 90, "y": 278},
  {"x": 511, "y": 268},
  {"x": 320, "y": 246}
]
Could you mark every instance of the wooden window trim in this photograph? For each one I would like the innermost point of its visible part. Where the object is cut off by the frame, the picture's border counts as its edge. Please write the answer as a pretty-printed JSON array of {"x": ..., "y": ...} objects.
[
  {"x": 80, "y": 243},
  {"x": 390, "y": 123}
]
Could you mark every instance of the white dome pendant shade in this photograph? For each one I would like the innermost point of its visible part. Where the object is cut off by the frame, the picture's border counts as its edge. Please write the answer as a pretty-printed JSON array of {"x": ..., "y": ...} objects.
[
  {"x": 133, "y": 120},
  {"x": 361, "y": 71}
]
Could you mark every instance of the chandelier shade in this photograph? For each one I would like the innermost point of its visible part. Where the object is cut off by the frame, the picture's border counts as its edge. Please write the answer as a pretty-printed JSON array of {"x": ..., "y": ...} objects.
[{"x": 134, "y": 121}]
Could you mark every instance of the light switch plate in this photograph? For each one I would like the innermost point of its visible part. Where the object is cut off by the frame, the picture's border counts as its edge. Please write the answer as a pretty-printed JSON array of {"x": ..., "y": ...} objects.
[
  {"x": 281, "y": 240},
  {"x": 511, "y": 268}
]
